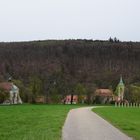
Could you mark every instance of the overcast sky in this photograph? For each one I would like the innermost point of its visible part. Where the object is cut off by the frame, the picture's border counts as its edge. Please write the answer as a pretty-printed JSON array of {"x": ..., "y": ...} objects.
[{"x": 23, "y": 20}]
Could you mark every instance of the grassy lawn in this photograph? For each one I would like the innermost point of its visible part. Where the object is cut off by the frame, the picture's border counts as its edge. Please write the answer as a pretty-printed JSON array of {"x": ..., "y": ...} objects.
[
  {"x": 127, "y": 119},
  {"x": 33, "y": 122}
]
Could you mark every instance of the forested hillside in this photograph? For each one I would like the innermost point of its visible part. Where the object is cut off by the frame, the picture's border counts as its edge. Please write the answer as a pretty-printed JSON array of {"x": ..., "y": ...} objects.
[{"x": 66, "y": 63}]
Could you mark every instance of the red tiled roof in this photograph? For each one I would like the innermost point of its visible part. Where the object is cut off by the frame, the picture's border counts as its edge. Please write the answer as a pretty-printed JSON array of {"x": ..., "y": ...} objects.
[
  {"x": 68, "y": 97},
  {"x": 104, "y": 92}
]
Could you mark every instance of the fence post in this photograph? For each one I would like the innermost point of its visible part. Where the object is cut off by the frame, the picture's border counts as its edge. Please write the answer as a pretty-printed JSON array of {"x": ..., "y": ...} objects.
[
  {"x": 119, "y": 104},
  {"x": 133, "y": 104},
  {"x": 124, "y": 104},
  {"x": 128, "y": 104},
  {"x": 115, "y": 104}
]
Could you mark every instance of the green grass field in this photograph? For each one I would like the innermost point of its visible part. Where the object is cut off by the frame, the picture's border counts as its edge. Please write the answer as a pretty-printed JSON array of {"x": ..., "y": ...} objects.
[
  {"x": 126, "y": 119},
  {"x": 33, "y": 122}
]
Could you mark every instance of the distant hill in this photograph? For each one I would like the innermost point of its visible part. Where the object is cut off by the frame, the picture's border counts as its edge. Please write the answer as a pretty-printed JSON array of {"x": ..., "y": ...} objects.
[{"x": 82, "y": 61}]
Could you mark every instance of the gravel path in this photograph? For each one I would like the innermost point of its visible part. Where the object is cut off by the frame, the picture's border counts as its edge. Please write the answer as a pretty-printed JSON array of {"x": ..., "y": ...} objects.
[{"x": 83, "y": 124}]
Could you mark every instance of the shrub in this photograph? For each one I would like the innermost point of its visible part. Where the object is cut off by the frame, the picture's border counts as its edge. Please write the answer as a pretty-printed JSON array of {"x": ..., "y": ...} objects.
[{"x": 3, "y": 95}]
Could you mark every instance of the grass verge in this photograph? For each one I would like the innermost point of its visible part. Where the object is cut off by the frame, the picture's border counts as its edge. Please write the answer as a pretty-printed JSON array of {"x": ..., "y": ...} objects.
[
  {"x": 33, "y": 122},
  {"x": 126, "y": 119}
]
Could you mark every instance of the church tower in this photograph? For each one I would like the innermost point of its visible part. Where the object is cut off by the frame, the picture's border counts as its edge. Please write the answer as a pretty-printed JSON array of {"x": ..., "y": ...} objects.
[{"x": 120, "y": 90}]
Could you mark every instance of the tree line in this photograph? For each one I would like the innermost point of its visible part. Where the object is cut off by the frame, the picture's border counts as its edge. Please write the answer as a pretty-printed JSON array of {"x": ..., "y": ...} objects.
[{"x": 56, "y": 67}]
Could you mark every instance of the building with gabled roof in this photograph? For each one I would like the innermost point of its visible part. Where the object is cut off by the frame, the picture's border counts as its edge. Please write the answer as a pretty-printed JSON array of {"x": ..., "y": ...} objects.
[{"x": 103, "y": 96}]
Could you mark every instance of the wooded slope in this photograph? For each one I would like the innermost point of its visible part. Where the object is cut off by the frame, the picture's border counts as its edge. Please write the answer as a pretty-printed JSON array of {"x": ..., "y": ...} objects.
[{"x": 82, "y": 61}]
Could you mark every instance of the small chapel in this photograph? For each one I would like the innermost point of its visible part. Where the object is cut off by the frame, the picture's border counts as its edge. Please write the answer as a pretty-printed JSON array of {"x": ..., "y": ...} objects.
[{"x": 13, "y": 92}]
